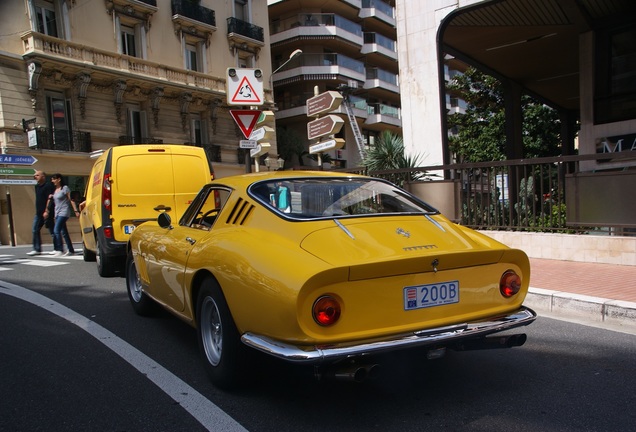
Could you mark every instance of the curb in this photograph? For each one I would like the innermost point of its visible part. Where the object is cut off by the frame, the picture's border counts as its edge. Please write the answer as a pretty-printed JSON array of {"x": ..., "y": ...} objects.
[{"x": 557, "y": 304}]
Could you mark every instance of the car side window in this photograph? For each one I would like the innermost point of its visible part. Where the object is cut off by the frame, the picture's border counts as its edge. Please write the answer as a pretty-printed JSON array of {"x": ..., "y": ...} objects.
[{"x": 209, "y": 209}]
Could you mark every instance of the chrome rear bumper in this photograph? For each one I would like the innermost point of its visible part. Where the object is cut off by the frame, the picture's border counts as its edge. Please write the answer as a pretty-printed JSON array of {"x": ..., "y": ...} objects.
[{"x": 439, "y": 337}]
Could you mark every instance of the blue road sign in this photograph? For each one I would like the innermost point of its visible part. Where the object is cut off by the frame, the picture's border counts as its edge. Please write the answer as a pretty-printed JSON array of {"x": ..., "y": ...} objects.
[{"x": 17, "y": 159}]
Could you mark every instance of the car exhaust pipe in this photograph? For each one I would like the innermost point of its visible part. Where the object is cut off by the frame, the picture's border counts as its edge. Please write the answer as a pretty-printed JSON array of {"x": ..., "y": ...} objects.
[
  {"x": 492, "y": 342},
  {"x": 352, "y": 373}
]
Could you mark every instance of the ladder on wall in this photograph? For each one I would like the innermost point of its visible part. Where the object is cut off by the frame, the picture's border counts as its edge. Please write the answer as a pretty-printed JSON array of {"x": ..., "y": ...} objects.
[{"x": 353, "y": 122}]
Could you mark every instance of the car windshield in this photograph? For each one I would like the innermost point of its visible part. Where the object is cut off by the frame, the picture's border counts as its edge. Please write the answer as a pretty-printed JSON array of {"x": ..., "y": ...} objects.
[{"x": 312, "y": 198}]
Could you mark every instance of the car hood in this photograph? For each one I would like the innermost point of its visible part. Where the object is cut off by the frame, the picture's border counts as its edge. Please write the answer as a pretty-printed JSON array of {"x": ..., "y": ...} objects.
[{"x": 420, "y": 243}]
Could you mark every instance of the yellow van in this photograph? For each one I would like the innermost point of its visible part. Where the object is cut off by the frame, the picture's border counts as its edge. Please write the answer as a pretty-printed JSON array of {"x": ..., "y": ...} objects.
[{"x": 132, "y": 184}]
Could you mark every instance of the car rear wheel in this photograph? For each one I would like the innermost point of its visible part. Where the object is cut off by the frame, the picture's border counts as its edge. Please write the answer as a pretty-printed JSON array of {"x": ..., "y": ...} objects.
[
  {"x": 223, "y": 353},
  {"x": 141, "y": 303},
  {"x": 105, "y": 264}
]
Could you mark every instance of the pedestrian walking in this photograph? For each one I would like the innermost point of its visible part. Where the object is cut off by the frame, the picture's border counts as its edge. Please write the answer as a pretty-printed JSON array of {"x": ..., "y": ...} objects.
[
  {"x": 43, "y": 189},
  {"x": 64, "y": 207}
]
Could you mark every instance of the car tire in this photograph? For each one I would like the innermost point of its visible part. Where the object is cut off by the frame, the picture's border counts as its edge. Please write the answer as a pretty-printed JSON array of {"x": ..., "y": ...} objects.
[
  {"x": 141, "y": 303},
  {"x": 105, "y": 264},
  {"x": 89, "y": 256},
  {"x": 223, "y": 353}
]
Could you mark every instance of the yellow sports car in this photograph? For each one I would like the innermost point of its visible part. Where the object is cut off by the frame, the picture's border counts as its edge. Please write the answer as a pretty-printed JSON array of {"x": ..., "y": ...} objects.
[{"x": 326, "y": 269}]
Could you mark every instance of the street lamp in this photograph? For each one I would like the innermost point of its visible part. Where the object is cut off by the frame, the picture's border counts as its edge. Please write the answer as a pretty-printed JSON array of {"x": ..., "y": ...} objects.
[{"x": 292, "y": 56}]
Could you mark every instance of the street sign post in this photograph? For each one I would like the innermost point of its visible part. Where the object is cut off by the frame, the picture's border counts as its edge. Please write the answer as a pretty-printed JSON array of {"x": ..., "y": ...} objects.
[
  {"x": 334, "y": 144},
  {"x": 17, "y": 182},
  {"x": 247, "y": 144},
  {"x": 327, "y": 125},
  {"x": 17, "y": 159},
  {"x": 244, "y": 86},
  {"x": 260, "y": 150},
  {"x": 246, "y": 120},
  {"x": 17, "y": 171},
  {"x": 262, "y": 133},
  {"x": 324, "y": 102}
]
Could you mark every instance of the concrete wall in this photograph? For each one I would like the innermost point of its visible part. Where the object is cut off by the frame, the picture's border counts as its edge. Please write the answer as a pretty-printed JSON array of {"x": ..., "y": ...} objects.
[{"x": 571, "y": 247}]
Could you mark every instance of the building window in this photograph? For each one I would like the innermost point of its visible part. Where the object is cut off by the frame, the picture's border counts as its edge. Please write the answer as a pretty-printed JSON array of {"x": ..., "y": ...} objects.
[
  {"x": 128, "y": 41},
  {"x": 241, "y": 10},
  {"x": 615, "y": 78},
  {"x": 191, "y": 57},
  {"x": 198, "y": 130},
  {"x": 49, "y": 17},
  {"x": 58, "y": 120},
  {"x": 137, "y": 125}
]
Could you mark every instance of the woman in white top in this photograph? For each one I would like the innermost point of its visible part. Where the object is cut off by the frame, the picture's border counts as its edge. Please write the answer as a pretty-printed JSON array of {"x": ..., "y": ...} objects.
[{"x": 63, "y": 208}]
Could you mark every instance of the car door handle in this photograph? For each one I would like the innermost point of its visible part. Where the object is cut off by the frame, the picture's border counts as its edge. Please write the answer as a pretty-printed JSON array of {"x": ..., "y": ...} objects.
[
  {"x": 191, "y": 240},
  {"x": 162, "y": 207}
]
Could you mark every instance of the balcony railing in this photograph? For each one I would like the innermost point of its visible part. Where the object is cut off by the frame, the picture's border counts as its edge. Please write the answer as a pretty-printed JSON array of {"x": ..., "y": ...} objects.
[
  {"x": 63, "y": 140},
  {"x": 243, "y": 28},
  {"x": 81, "y": 55},
  {"x": 126, "y": 140},
  {"x": 193, "y": 11}
]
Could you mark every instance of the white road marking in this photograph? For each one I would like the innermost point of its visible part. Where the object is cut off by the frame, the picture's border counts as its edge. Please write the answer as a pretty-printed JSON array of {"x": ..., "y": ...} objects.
[
  {"x": 32, "y": 262},
  {"x": 204, "y": 411}
]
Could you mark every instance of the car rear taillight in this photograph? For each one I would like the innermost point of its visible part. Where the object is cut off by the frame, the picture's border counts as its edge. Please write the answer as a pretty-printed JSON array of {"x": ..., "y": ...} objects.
[
  {"x": 106, "y": 196},
  {"x": 326, "y": 310},
  {"x": 509, "y": 284}
]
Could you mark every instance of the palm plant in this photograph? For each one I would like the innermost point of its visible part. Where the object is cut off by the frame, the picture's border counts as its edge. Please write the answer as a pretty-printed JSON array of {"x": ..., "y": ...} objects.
[{"x": 388, "y": 154}]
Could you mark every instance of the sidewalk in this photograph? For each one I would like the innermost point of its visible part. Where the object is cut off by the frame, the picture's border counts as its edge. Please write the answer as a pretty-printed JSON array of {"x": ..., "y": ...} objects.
[{"x": 601, "y": 293}]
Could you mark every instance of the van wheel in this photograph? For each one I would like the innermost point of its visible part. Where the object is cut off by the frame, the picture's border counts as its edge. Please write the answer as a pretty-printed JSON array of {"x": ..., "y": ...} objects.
[
  {"x": 105, "y": 264},
  {"x": 89, "y": 256}
]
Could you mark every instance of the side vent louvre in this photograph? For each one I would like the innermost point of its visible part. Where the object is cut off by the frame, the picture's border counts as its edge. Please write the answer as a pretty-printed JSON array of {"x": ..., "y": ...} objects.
[{"x": 240, "y": 212}]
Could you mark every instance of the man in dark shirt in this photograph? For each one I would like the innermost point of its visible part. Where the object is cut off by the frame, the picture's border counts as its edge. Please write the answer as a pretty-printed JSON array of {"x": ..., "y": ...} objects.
[{"x": 43, "y": 189}]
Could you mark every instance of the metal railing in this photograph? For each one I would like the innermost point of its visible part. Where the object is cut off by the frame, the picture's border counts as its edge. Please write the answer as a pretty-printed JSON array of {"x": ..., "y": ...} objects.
[
  {"x": 194, "y": 11},
  {"x": 235, "y": 25},
  {"x": 63, "y": 140},
  {"x": 528, "y": 194}
]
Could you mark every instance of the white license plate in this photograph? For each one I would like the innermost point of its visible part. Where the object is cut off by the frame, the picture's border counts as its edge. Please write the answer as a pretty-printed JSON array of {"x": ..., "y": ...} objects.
[
  {"x": 128, "y": 229},
  {"x": 423, "y": 296}
]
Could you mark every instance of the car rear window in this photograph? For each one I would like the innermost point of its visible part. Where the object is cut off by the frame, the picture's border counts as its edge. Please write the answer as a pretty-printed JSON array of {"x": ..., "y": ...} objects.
[{"x": 326, "y": 197}]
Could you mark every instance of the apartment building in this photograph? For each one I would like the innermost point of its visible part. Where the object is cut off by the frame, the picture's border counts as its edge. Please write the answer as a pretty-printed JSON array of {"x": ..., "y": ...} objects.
[
  {"x": 349, "y": 46},
  {"x": 80, "y": 76}
]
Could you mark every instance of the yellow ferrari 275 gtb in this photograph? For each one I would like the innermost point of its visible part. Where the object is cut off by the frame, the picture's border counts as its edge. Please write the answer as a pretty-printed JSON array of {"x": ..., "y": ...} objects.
[{"x": 326, "y": 269}]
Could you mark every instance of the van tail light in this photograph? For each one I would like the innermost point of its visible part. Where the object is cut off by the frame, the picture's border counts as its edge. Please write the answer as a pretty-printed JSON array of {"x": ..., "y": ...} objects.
[
  {"x": 509, "y": 284},
  {"x": 108, "y": 232},
  {"x": 326, "y": 311},
  {"x": 106, "y": 195}
]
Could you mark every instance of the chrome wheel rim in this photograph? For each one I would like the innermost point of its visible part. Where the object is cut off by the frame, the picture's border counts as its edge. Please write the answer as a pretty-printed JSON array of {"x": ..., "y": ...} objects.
[
  {"x": 211, "y": 331},
  {"x": 134, "y": 283}
]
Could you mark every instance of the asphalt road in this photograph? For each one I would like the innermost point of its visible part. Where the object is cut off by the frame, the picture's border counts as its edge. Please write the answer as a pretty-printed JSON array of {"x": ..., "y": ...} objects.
[{"x": 75, "y": 357}]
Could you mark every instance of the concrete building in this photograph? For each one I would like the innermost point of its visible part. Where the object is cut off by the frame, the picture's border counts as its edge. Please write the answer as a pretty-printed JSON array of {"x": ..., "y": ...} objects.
[
  {"x": 347, "y": 46},
  {"x": 578, "y": 56},
  {"x": 79, "y": 76}
]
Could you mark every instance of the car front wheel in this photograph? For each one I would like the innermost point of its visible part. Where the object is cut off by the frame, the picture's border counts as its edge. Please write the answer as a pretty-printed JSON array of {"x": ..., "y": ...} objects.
[
  {"x": 223, "y": 353},
  {"x": 141, "y": 303}
]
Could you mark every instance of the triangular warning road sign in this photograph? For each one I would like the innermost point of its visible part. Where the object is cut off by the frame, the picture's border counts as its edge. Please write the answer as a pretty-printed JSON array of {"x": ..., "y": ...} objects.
[
  {"x": 245, "y": 93},
  {"x": 246, "y": 120}
]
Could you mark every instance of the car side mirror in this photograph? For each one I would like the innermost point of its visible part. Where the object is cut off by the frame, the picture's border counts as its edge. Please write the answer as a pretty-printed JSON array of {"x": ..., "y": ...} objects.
[{"x": 164, "y": 220}]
